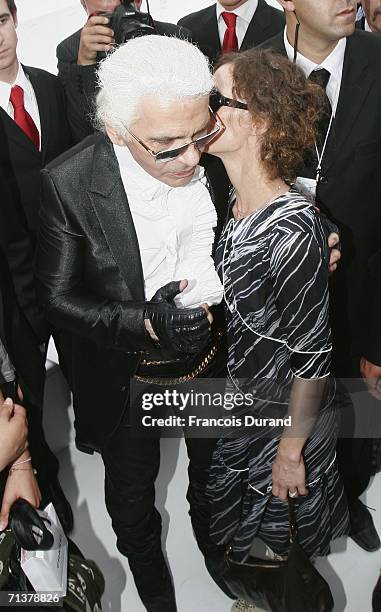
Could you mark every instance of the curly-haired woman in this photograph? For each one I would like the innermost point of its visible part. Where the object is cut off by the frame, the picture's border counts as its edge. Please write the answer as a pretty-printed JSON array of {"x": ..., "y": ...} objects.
[{"x": 272, "y": 258}]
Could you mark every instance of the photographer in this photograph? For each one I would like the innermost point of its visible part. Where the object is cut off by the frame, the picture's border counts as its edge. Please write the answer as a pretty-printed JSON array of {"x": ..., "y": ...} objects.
[{"x": 78, "y": 57}]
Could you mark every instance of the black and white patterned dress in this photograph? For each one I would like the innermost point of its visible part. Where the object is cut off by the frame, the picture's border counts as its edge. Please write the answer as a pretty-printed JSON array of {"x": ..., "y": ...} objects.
[{"x": 274, "y": 267}]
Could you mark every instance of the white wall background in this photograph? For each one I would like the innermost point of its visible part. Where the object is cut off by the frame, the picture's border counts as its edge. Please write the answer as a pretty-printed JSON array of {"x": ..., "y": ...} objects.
[{"x": 44, "y": 23}]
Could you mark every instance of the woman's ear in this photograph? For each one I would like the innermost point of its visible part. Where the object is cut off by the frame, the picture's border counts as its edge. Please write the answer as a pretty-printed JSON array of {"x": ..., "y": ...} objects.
[{"x": 259, "y": 126}]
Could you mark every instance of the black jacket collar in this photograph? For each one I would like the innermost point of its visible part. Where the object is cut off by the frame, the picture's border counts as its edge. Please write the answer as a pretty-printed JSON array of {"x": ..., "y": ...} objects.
[{"x": 111, "y": 207}]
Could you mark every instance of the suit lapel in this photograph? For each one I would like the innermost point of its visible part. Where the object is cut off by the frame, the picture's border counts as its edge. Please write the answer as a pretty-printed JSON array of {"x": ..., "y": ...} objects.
[
  {"x": 16, "y": 134},
  {"x": 210, "y": 25},
  {"x": 259, "y": 28},
  {"x": 110, "y": 204},
  {"x": 43, "y": 109},
  {"x": 355, "y": 85}
]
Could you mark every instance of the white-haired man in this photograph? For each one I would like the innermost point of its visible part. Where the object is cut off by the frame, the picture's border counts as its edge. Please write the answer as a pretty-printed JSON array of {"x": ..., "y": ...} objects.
[
  {"x": 77, "y": 58},
  {"x": 126, "y": 213}
]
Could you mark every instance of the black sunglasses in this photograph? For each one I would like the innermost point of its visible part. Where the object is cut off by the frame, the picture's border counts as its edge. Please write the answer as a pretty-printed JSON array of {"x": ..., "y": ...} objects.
[
  {"x": 169, "y": 154},
  {"x": 216, "y": 100}
]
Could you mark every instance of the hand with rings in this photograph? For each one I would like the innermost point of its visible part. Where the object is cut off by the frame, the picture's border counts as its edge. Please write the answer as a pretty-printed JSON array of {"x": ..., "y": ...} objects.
[{"x": 288, "y": 475}]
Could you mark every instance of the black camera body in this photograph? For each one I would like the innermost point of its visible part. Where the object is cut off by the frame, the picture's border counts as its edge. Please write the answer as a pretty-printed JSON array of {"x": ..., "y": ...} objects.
[{"x": 128, "y": 23}]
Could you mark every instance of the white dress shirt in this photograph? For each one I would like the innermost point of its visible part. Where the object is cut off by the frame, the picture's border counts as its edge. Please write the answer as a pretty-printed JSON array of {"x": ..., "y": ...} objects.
[
  {"x": 30, "y": 100},
  {"x": 174, "y": 227},
  {"x": 245, "y": 14},
  {"x": 333, "y": 63}
]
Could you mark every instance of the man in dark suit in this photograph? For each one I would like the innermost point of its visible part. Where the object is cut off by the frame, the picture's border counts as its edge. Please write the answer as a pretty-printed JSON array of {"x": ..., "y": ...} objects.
[
  {"x": 45, "y": 104},
  {"x": 16, "y": 334},
  {"x": 33, "y": 132},
  {"x": 77, "y": 61},
  {"x": 348, "y": 189},
  {"x": 22, "y": 360},
  {"x": 254, "y": 23}
]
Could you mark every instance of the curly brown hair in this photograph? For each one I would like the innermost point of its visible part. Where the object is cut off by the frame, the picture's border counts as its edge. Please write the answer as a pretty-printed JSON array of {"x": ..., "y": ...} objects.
[
  {"x": 278, "y": 92},
  {"x": 12, "y": 6}
]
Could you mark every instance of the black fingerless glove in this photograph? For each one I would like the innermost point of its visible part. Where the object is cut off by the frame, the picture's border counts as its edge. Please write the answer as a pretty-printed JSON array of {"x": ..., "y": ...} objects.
[{"x": 182, "y": 330}]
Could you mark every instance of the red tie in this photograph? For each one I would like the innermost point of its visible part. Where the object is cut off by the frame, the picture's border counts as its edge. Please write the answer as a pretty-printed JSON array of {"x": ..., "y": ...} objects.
[
  {"x": 22, "y": 117},
  {"x": 230, "y": 39}
]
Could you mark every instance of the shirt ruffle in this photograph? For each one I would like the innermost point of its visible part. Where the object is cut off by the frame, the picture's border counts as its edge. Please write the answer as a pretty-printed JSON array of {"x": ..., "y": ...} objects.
[{"x": 198, "y": 266}]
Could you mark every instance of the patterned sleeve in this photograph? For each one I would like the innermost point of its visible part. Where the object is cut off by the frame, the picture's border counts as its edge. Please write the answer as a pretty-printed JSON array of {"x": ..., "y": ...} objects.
[{"x": 299, "y": 272}]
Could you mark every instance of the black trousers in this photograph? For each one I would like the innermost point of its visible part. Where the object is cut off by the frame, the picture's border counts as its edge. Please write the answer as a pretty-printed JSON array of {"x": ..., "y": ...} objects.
[
  {"x": 131, "y": 467},
  {"x": 354, "y": 454}
]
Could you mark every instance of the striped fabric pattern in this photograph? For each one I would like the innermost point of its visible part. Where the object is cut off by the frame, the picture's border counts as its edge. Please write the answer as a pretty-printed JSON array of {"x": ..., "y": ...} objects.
[{"x": 274, "y": 268}]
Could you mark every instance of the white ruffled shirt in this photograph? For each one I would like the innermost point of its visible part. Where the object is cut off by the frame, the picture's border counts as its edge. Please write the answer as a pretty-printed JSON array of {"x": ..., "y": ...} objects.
[{"x": 174, "y": 227}]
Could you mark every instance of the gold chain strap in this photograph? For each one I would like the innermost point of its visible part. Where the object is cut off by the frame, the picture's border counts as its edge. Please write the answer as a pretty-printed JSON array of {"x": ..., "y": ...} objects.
[{"x": 180, "y": 379}]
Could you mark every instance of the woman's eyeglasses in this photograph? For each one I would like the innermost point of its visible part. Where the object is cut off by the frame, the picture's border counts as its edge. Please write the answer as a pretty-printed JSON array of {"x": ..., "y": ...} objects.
[
  {"x": 216, "y": 100},
  {"x": 169, "y": 154}
]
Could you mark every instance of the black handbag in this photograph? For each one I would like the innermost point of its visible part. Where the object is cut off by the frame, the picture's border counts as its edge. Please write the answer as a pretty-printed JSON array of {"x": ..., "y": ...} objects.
[{"x": 292, "y": 585}]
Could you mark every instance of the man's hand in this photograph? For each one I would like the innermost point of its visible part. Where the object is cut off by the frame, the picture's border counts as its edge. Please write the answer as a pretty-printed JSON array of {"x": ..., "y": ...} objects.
[
  {"x": 13, "y": 432},
  {"x": 95, "y": 38},
  {"x": 21, "y": 484},
  {"x": 333, "y": 240},
  {"x": 166, "y": 295},
  {"x": 178, "y": 330},
  {"x": 372, "y": 375}
]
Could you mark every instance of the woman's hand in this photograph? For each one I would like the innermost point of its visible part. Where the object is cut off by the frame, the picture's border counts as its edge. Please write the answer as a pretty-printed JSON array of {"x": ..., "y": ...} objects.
[
  {"x": 288, "y": 475},
  {"x": 21, "y": 484},
  {"x": 13, "y": 432},
  {"x": 335, "y": 254}
]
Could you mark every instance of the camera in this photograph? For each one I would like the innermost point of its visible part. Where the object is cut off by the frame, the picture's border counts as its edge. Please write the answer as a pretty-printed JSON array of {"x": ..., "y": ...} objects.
[{"x": 128, "y": 23}]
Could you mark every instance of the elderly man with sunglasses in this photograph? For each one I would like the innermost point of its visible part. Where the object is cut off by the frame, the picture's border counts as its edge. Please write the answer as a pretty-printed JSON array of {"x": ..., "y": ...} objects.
[{"x": 127, "y": 215}]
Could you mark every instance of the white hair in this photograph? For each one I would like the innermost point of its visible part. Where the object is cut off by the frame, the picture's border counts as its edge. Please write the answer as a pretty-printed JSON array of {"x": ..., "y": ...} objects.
[{"x": 160, "y": 66}]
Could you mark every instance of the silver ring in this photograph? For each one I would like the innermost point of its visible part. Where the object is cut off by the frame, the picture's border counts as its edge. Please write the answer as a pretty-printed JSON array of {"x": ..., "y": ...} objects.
[{"x": 293, "y": 494}]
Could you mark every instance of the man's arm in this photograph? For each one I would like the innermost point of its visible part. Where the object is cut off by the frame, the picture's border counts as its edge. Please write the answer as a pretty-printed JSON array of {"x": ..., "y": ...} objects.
[
  {"x": 68, "y": 304},
  {"x": 80, "y": 89},
  {"x": 77, "y": 71}
]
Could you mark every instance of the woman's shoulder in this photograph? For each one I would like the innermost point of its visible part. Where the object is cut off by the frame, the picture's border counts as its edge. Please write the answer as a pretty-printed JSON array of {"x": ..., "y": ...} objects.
[{"x": 295, "y": 212}]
